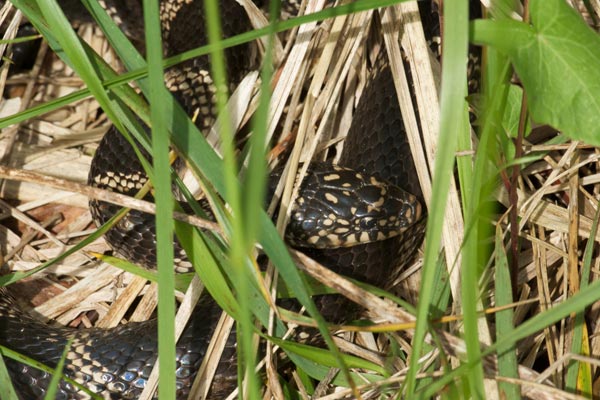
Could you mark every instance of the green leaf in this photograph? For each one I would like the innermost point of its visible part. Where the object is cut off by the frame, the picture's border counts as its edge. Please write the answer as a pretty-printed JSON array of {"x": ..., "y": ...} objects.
[{"x": 558, "y": 62}]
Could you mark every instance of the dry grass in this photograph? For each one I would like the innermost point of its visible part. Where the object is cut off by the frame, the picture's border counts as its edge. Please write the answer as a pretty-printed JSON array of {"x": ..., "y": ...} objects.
[{"x": 323, "y": 73}]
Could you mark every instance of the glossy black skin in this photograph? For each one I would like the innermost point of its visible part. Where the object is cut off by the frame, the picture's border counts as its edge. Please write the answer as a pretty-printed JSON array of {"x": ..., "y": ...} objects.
[
  {"x": 376, "y": 143},
  {"x": 24, "y": 53},
  {"x": 116, "y": 362},
  {"x": 127, "y": 352}
]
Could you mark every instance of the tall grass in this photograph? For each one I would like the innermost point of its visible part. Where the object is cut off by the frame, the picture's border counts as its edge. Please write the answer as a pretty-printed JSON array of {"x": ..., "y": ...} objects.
[
  {"x": 226, "y": 264},
  {"x": 101, "y": 79}
]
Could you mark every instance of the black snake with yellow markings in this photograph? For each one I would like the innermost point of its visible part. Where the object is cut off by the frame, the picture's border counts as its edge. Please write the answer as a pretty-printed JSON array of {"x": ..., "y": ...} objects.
[{"x": 357, "y": 203}]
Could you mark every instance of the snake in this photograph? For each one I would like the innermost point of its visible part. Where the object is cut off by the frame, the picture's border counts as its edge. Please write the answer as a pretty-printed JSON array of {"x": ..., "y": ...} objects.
[{"x": 352, "y": 217}]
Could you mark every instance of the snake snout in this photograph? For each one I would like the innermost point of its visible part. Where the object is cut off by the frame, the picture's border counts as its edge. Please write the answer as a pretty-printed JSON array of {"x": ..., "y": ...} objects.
[
  {"x": 407, "y": 207},
  {"x": 340, "y": 207}
]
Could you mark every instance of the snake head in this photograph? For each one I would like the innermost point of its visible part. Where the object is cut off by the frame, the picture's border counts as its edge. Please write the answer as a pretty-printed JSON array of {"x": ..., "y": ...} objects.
[{"x": 340, "y": 207}]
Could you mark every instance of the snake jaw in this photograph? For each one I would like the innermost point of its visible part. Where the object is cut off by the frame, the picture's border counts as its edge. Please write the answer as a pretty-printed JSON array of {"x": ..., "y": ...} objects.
[{"x": 339, "y": 207}]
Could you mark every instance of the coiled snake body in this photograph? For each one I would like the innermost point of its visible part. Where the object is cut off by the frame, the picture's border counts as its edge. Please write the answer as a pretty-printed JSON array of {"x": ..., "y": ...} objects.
[{"x": 116, "y": 362}]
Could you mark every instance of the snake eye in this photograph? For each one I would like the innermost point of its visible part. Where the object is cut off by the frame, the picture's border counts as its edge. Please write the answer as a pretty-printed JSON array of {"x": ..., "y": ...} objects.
[
  {"x": 369, "y": 194},
  {"x": 309, "y": 225}
]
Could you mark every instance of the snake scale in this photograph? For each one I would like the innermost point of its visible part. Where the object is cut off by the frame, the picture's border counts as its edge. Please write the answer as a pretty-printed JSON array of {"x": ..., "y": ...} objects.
[{"x": 116, "y": 362}]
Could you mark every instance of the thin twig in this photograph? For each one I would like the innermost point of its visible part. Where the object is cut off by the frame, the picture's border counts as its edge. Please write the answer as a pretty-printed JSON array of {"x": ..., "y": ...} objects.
[{"x": 119, "y": 199}]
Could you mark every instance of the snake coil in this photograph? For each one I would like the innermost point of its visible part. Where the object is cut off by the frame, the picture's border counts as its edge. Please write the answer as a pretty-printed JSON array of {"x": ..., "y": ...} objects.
[{"x": 361, "y": 207}]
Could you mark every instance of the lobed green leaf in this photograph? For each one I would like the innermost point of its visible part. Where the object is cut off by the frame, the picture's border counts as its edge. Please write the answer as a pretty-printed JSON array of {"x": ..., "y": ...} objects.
[{"x": 557, "y": 59}]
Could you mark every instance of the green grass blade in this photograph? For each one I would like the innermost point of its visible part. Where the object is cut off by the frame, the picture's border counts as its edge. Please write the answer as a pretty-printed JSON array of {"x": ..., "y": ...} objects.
[
  {"x": 164, "y": 202},
  {"x": 112, "y": 83},
  {"x": 207, "y": 268},
  {"x": 92, "y": 72},
  {"x": 58, "y": 371},
  {"x": 13, "y": 277},
  {"x": 78, "y": 56},
  {"x": 21, "y": 39},
  {"x": 324, "y": 356},
  {"x": 240, "y": 243},
  {"x": 254, "y": 186},
  {"x": 272, "y": 244},
  {"x": 126, "y": 50},
  {"x": 471, "y": 254},
  {"x": 574, "y": 369},
  {"x": 453, "y": 93},
  {"x": 182, "y": 281},
  {"x": 580, "y": 301},
  {"x": 320, "y": 372},
  {"x": 8, "y": 391},
  {"x": 6, "y": 352},
  {"x": 507, "y": 357}
]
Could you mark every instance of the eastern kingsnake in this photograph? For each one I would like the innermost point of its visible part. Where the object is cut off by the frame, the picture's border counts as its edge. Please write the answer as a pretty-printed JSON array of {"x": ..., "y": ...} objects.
[{"x": 117, "y": 362}]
